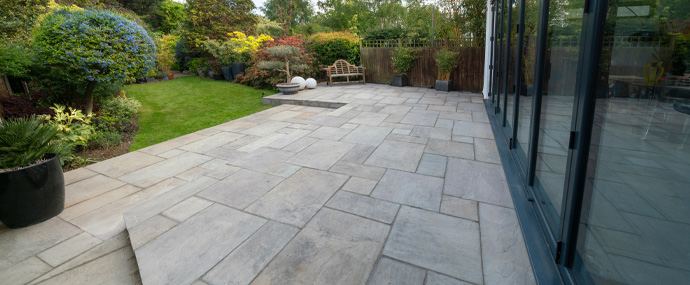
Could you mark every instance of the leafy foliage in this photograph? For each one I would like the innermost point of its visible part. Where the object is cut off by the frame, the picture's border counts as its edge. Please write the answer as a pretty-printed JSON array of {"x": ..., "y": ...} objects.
[
  {"x": 237, "y": 49},
  {"x": 446, "y": 61},
  {"x": 214, "y": 19},
  {"x": 330, "y": 47},
  {"x": 140, "y": 7},
  {"x": 93, "y": 46},
  {"x": 284, "y": 55},
  {"x": 15, "y": 59},
  {"x": 73, "y": 126},
  {"x": 165, "y": 51},
  {"x": 402, "y": 59},
  {"x": 105, "y": 140},
  {"x": 18, "y": 106},
  {"x": 18, "y": 18},
  {"x": 385, "y": 34},
  {"x": 268, "y": 27},
  {"x": 24, "y": 141},
  {"x": 169, "y": 16}
]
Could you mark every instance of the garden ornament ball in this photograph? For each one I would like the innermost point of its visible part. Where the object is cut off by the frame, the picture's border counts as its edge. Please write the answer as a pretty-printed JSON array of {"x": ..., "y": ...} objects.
[{"x": 299, "y": 80}]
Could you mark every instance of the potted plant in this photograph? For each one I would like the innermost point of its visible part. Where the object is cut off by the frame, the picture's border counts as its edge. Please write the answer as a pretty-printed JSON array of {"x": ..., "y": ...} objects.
[
  {"x": 402, "y": 59},
  {"x": 225, "y": 54},
  {"x": 287, "y": 57},
  {"x": 166, "y": 59},
  {"x": 446, "y": 61},
  {"x": 32, "y": 185}
]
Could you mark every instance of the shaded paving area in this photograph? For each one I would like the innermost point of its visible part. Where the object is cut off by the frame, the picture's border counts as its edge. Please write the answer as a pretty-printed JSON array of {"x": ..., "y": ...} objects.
[{"x": 397, "y": 185}]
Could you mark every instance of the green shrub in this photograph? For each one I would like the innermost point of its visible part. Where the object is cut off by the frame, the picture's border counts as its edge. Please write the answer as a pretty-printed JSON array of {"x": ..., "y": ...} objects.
[
  {"x": 115, "y": 115},
  {"x": 121, "y": 107},
  {"x": 105, "y": 140},
  {"x": 446, "y": 61},
  {"x": 329, "y": 47},
  {"x": 197, "y": 62},
  {"x": 73, "y": 126},
  {"x": 24, "y": 141},
  {"x": 15, "y": 59},
  {"x": 402, "y": 59}
]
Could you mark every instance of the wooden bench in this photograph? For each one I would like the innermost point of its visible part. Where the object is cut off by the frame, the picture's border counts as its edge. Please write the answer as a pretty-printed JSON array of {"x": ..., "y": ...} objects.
[{"x": 342, "y": 68}]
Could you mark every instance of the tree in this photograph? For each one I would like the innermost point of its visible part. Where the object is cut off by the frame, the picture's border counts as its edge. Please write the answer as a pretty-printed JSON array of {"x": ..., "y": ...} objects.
[
  {"x": 288, "y": 13},
  {"x": 215, "y": 19},
  {"x": 141, "y": 7},
  {"x": 92, "y": 47}
]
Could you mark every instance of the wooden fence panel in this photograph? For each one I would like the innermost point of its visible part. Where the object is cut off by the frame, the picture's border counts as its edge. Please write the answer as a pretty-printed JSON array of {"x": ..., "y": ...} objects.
[{"x": 468, "y": 76}]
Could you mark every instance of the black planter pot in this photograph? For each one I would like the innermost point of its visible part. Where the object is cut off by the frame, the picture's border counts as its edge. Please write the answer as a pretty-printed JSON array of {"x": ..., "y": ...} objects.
[
  {"x": 237, "y": 68},
  {"x": 443, "y": 85},
  {"x": 227, "y": 73},
  {"x": 33, "y": 194},
  {"x": 399, "y": 81},
  {"x": 215, "y": 76}
]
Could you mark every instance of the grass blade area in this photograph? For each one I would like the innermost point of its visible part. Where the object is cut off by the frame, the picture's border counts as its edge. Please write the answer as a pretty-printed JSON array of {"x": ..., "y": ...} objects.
[{"x": 188, "y": 104}]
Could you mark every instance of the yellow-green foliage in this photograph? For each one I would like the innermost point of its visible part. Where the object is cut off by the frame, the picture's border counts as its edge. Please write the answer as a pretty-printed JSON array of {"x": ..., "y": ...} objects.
[{"x": 330, "y": 47}]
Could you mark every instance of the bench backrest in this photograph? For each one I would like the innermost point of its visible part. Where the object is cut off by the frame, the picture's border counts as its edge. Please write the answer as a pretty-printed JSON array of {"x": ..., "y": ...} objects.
[{"x": 341, "y": 66}]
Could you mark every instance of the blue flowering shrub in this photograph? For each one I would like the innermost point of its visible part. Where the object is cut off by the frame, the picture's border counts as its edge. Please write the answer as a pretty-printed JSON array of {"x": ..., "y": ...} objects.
[{"x": 93, "y": 46}]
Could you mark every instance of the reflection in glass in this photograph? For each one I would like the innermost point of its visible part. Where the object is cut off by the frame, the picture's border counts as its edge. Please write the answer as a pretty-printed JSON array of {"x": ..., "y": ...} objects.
[
  {"x": 528, "y": 57},
  {"x": 560, "y": 73},
  {"x": 512, "y": 57},
  {"x": 635, "y": 224}
]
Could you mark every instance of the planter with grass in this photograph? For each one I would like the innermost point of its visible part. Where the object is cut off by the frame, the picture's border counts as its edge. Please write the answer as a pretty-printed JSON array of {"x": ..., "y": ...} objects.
[
  {"x": 446, "y": 61},
  {"x": 286, "y": 58},
  {"x": 32, "y": 185},
  {"x": 402, "y": 59}
]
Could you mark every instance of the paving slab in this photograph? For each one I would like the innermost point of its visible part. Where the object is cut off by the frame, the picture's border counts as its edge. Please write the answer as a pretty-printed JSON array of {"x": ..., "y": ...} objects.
[
  {"x": 322, "y": 154},
  {"x": 421, "y": 118},
  {"x": 389, "y": 271},
  {"x": 25, "y": 271},
  {"x": 503, "y": 248},
  {"x": 295, "y": 200},
  {"x": 160, "y": 171},
  {"x": 437, "y": 242},
  {"x": 329, "y": 133},
  {"x": 410, "y": 189},
  {"x": 263, "y": 159},
  {"x": 450, "y": 148},
  {"x": 68, "y": 249},
  {"x": 477, "y": 181},
  {"x": 368, "y": 118},
  {"x": 172, "y": 144},
  {"x": 397, "y": 155},
  {"x": 334, "y": 248},
  {"x": 241, "y": 189},
  {"x": 473, "y": 129},
  {"x": 367, "y": 135},
  {"x": 433, "y": 278},
  {"x": 95, "y": 203},
  {"x": 433, "y": 165},
  {"x": 89, "y": 188},
  {"x": 32, "y": 240},
  {"x": 358, "y": 170},
  {"x": 244, "y": 263},
  {"x": 186, "y": 208},
  {"x": 203, "y": 240},
  {"x": 358, "y": 154},
  {"x": 364, "y": 206},
  {"x": 486, "y": 151},
  {"x": 360, "y": 185},
  {"x": 211, "y": 142},
  {"x": 78, "y": 175},
  {"x": 431, "y": 132},
  {"x": 147, "y": 230},
  {"x": 461, "y": 208}
]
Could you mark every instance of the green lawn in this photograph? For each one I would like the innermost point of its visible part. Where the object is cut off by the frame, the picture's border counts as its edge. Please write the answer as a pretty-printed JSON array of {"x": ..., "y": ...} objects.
[{"x": 188, "y": 104}]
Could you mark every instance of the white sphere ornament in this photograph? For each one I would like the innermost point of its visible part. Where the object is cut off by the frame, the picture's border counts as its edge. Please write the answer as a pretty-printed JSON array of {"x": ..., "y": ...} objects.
[
  {"x": 311, "y": 83},
  {"x": 299, "y": 80}
]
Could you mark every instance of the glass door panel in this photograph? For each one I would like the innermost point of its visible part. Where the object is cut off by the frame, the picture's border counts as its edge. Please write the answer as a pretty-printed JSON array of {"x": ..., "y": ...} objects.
[
  {"x": 635, "y": 222},
  {"x": 512, "y": 57},
  {"x": 528, "y": 59},
  {"x": 560, "y": 76}
]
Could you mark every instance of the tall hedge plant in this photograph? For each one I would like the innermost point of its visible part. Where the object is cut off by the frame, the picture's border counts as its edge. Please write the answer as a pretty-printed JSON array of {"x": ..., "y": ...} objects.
[{"x": 329, "y": 47}]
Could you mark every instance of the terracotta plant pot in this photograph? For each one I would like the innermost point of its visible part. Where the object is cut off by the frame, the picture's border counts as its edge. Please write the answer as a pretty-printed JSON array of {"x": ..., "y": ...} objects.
[{"x": 171, "y": 75}]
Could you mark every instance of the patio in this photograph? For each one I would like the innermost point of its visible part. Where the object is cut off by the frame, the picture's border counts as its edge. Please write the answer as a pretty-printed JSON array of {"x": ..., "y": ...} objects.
[{"x": 396, "y": 185}]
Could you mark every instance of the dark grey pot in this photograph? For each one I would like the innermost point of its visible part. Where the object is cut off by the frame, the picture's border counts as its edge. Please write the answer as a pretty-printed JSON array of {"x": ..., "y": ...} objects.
[
  {"x": 33, "y": 194},
  {"x": 443, "y": 85},
  {"x": 150, "y": 79},
  {"x": 200, "y": 72},
  {"x": 237, "y": 68},
  {"x": 288, "y": 88},
  {"x": 227, "y": 73},
  {"x": 399, "y": 81}
]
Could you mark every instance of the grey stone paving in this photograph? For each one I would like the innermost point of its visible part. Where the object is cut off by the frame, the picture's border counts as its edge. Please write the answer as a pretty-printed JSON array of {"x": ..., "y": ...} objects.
[{"x": 397, "y": 186}]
